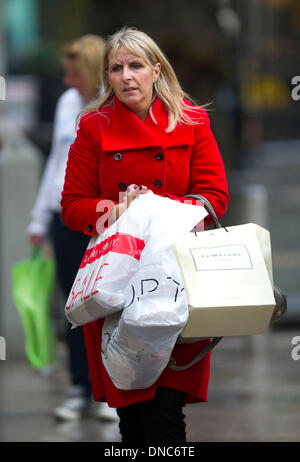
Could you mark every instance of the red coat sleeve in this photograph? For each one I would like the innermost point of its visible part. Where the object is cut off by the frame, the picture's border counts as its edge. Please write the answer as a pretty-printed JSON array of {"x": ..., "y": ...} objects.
[
  {"x": 81, "y": 193},
  {"x": 208, "y": 176}
]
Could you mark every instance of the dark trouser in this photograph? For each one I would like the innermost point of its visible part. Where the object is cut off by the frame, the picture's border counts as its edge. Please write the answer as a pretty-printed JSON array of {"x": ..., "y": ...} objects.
[
  {"x": 157, "y": 420},
  {"x": 69, "y": 247}
]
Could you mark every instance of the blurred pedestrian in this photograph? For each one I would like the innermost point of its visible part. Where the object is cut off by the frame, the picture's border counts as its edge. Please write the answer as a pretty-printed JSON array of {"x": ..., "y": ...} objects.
[
  {"x": 82, "y": 63},
  {"x": 143, "y": 134}
]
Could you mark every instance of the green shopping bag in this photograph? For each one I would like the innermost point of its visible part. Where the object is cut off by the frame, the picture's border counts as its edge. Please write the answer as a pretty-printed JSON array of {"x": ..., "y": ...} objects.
[{"x": 32, "y": 285}]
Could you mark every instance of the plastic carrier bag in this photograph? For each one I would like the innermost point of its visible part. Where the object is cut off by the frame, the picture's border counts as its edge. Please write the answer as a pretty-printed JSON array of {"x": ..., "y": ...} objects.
[
  {"x": 130, "y": 276},
  {"x": 32, "y": 285}
]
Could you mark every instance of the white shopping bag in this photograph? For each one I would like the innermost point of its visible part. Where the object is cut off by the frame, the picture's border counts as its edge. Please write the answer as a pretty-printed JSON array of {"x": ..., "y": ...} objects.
[
  {"x": 137, "y": 348},
  {"x": 109, "y": 262},
  {"x": 130, "y": 276},
  {"x": 112, "y": 258},
  {"x": 137, "y": 343},
  {"x": 228, "y": 280}
]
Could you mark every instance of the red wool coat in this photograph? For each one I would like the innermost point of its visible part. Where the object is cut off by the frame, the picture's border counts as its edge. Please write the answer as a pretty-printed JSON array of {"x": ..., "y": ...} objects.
[{"x": 113, "y": 149}]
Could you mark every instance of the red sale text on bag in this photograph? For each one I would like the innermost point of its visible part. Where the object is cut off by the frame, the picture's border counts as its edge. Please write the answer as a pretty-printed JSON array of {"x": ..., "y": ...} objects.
[
  {"x": 82, "y": 289},
  {"x": 85, "y": 287}
]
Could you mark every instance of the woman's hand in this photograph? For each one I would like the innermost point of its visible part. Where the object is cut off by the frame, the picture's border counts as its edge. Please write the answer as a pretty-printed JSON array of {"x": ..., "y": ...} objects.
[
  {"x": 36, "y": 240},
  {"x": 132, "y": 192}
]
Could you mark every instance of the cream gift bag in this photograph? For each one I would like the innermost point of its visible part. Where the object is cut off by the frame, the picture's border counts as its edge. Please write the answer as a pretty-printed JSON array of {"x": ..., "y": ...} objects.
[{"x": 227, "y": 274}]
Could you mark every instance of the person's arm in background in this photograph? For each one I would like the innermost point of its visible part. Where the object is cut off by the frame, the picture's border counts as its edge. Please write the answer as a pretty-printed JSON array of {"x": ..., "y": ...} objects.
[{"x": 41, "y": 214}]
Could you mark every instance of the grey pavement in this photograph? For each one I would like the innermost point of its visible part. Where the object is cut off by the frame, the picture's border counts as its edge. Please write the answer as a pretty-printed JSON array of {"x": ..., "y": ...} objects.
[{"x": 254, "y": 395}]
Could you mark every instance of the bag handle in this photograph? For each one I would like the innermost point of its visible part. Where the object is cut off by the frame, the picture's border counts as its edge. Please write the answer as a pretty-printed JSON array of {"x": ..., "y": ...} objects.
[
  {"x": 207, "y": 205},
  {"x": 198, "y": 357},
  {"x": 215, "y": 340},
  {"x": 36, "y": 253}
]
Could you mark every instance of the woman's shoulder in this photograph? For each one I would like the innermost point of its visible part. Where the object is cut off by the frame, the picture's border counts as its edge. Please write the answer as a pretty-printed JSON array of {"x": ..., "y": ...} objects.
[
  {"x": 92, "y": 123},
  {"x": 87, "y": 118},
  {"x": 195, "y": 112},
  {"x": 96, "y": 116}
]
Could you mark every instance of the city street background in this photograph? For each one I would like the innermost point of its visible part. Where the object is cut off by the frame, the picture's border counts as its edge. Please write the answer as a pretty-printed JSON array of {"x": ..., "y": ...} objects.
[{"x": 243, "y": 58}]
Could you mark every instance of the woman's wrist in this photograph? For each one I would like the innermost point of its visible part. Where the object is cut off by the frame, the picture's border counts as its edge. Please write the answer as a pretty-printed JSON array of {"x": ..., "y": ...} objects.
[
  {"x": 131, "y": 193},
  {"x": 119, "y": 209}
]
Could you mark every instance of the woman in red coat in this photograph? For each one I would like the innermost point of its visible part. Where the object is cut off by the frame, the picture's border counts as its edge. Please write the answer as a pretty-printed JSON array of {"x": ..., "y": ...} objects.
[{"x": 144, "y": 134}]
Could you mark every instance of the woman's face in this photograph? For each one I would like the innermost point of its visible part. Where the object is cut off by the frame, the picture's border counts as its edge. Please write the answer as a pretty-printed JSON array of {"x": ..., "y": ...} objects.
[{"x": 132, "y": 80}]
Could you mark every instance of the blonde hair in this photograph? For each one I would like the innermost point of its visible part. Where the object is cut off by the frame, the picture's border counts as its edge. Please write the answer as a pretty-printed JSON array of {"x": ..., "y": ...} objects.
[
  {"x": 166, "y": 87},
  {"x": 86, "y": 55}
]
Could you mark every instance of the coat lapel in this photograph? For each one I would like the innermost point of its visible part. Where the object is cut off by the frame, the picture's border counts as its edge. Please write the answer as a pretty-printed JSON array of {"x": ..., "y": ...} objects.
[{"x": 121, "y": 129}]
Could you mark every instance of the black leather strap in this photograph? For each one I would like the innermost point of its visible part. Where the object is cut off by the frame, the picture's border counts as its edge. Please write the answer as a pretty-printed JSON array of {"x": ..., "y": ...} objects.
[
  {"x": 203, "y": 352},
  {"x": 208, "y": 207}
]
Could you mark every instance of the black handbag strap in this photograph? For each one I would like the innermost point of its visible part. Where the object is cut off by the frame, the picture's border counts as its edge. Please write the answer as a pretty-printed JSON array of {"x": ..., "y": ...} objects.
[
  {"x": 203, "y": 352},
  {"x": 207, "y": 205}
]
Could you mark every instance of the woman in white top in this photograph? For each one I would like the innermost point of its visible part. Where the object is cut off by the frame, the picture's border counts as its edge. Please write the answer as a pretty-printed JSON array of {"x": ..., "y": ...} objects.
[{"x": 82, "y": 62}]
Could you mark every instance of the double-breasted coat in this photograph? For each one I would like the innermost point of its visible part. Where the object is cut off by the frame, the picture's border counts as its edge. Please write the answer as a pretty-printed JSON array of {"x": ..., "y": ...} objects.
[{"x": 113, "y": 149}]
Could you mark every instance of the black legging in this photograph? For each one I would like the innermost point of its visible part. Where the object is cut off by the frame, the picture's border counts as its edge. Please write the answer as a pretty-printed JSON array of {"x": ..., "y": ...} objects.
[
  {"x": 69, "y": 247},
  {"x": 157, "y": 420}
]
